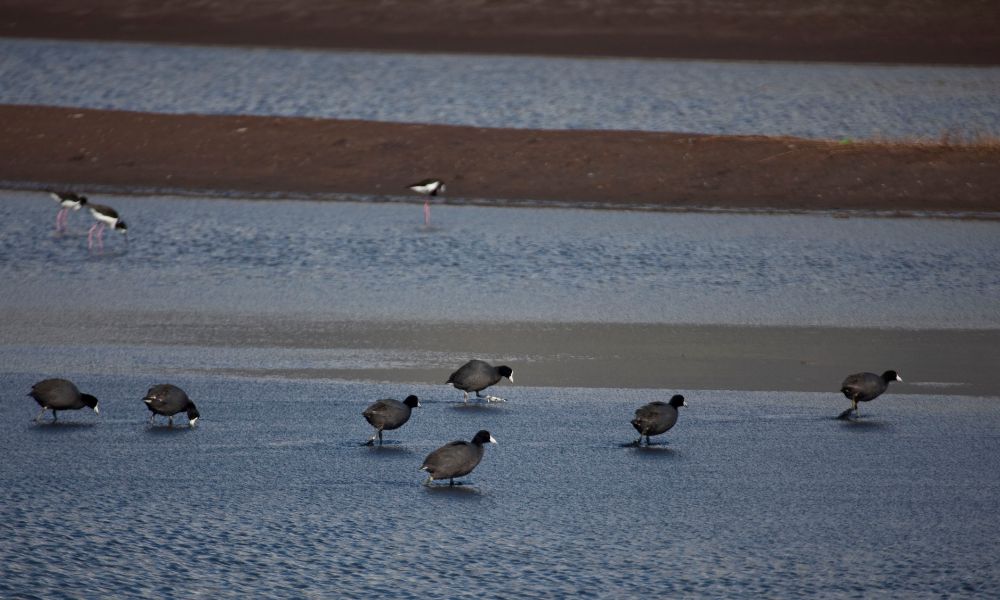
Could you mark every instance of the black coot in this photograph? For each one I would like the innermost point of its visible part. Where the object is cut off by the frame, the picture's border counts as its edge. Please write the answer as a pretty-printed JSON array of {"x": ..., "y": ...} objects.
[
  {"x": 167, "y": 399},
  {"x": 456, "y": 459},
  {"x": 477, "y": 375},
  {"x": 656, "y": 417},
  {"x": 865, "y": 387},
  {"x": 60, "y": 394},
  {"x": 389, "y": 414}
]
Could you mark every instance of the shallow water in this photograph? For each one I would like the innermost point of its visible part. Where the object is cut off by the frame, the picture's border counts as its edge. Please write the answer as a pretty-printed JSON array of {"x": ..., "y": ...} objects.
[
  {"x": 751, "y": 493},
  {"x": 807, "y": 100},
  {"x": 760, "y": 493},
  {"x": 352, "y": 260}
]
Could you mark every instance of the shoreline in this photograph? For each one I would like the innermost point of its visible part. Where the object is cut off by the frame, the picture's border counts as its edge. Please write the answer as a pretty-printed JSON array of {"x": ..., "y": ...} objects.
[
  {"x": 182, "y": 194},
  {"x": 547, "y": 354},
  {"x": 623, "y": 170}
]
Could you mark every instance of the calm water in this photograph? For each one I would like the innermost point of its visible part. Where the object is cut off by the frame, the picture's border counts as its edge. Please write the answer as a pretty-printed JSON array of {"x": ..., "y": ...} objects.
[
  {"x": 759, "y": 493},
  {"x": 754, "y": 493},
  {"x": 809, "y": 100},
  {"x": 349, "y": 260}
]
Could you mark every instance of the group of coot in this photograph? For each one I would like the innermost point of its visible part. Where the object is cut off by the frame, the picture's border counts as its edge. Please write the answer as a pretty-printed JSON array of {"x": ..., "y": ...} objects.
[
  {"x": 455, "y": 459},
  {"x": 61, "y": 394}
]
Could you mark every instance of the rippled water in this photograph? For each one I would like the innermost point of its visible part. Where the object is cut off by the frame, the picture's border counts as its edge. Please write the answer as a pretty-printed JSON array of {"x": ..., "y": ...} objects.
[
  {"x": 376, "y": 261},
  {"x": 752, "y": 494},
  {"x": 755, "y": 493},
  {"x": 809, "y": 100}
]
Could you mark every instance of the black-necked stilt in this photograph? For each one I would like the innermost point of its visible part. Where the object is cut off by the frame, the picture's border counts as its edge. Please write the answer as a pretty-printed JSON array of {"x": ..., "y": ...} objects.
[
  {"x": 656, "y": 417},
  {"x": 106, "y": 216},
  {"x": 427, "y": 187},
  {"x": 167, "y": 399},
  {"x": 865, "y": 387},
  {"x": 67, "y": 201},
  {"x": 456, "y": 459},
  {"x": 477, "y": 375},
  {"x": 60, "y": 394}
]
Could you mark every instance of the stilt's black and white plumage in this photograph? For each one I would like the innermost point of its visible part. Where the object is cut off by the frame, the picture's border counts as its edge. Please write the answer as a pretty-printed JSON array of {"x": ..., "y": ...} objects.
[
  {"x": 865, "y": 387},
  {"x": 456, "y": 459},
  {"x": 389, "y": 414},
  {"x": 67, "y": 201},
  {"x": 60, "y": 394},
  {"x": 656, "y": 417},
  {"x": 105, "y": 217},
  {"x": 477, "y": 375},
  {"x": 167, "y": 399},
  {"x": 427, "y": 187}
]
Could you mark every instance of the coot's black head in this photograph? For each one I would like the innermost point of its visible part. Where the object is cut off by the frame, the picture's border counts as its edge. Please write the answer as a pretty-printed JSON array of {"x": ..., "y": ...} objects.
[
  {"x": 891, "y": 376},
  {"x": 80, "y": 201},
  {"x": 90, "y": 401},
  {"x": 677, "y": 401},
  {"x": 122, "y": 226},
  {"x": 412, "y": 401},
  {"x": 193, "y": 414},
  {"x": 507, "y": 372},
  {"x": 483, "y": 437}
]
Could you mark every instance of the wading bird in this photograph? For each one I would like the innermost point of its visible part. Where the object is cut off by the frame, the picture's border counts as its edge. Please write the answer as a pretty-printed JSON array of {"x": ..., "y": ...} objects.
[
  {"x": 427, "y": 187},
  {"x": 865, "y": 387},
  {"x": 456, "y": 458}
]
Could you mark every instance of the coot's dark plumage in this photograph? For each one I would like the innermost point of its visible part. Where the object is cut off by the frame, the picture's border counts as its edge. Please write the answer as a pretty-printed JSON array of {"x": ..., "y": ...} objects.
[
  {"x": 656, "y": 417},
  {"x": 167, "y": 399},
  {"x": 477, "y": 375},
  {"x": 865, "y": 387},
  {"x": 457, "y": 458},
  {"x": 60, "y": 394},
  {"x": 389, "y": 414}
]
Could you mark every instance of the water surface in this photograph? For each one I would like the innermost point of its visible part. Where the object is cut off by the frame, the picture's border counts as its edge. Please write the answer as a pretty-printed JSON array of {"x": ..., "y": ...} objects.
[
  {"x": 809, "y": 100},
  {"x": 751, "y": 494},
  {"x": 364, "y": 261}
]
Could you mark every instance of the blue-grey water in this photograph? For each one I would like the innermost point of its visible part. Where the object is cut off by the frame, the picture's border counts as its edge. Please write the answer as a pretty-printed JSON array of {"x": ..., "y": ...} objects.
[
  {"x": 808, "y": 100},
  {"x": 761, "y": 494},
  {"x": 357, "y": 261},
  {"x": 753, "y": 493}
]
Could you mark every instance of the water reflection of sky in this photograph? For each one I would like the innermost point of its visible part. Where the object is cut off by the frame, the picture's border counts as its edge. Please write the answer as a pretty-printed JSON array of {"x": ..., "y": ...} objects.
[
  {"x": 809, "y": 100},
  {"x": 356, "y": 260}
]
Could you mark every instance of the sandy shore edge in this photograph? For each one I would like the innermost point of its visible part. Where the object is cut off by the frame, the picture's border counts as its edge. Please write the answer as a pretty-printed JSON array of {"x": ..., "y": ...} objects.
[
  {"x": 922, "y": 31},
  {"x": 325, "y": 159},
  {"x": 596, "y": 355}
]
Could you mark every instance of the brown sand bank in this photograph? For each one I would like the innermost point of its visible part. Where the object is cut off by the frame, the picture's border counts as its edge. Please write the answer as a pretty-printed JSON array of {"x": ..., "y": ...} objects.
[
  {"x": 913, "y": 31},
  {"x": 73, "y": 148},
  {"x": 555, "y": 354}
]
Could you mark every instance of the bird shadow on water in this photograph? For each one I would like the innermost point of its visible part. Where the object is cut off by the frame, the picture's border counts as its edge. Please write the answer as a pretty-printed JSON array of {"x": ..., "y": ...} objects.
[
  {"x": 478, "y": 406},
  {"x": 168, "y": 430},
  {"x": 49, "y": 426},
  {"x": 99, "y": 254},
  {"x": 654, "y": 450},
  {"x": 387, "y": 449},
  {"x": 861, "y": 423},
  {"x": 461, "y": 489}
]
